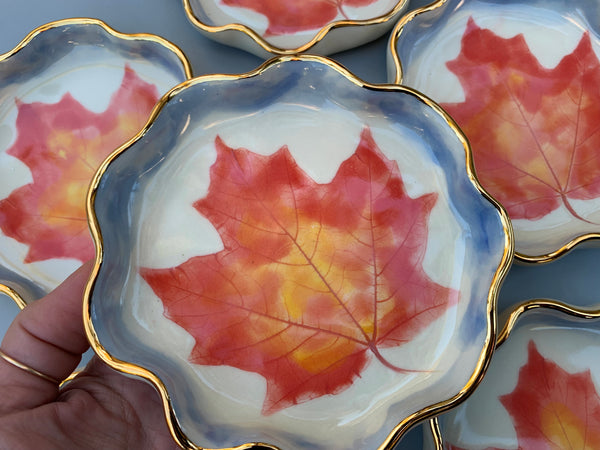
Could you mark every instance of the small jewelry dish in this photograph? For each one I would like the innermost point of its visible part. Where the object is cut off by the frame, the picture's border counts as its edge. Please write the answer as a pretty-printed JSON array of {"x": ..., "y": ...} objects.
[
  {"x": 294, "y": 26},
  {"x": 70, "y": 93},
  {"x": 297, "y": 258},
  {"x": 542, "y": 389},
  {"x": 520, "y": 78}
]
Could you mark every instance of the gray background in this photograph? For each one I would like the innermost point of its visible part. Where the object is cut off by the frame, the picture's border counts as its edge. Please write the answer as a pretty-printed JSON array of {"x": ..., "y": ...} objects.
[{"x": 573, "y": 278}]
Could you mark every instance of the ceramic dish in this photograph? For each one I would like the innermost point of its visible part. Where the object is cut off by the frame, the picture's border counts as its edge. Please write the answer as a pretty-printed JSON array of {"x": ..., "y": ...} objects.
[
  {"x": 272, "y": 257},
  {"x": 520, "y": 78},
  {"x": 70, "y": 93},
  {"x": 542, "y": 389},
  {"x": 293, "y": 26}
]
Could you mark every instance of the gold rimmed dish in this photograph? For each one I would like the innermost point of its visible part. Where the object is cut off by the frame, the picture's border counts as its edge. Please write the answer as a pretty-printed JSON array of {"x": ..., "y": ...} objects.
[
  {"x": 293, "y": 26},
  {"x": 295, "y": 257},
  {"x": 520, "y": 79},
  {"x": 71, "y": 92},
  {"x": 542, "y": 389}
]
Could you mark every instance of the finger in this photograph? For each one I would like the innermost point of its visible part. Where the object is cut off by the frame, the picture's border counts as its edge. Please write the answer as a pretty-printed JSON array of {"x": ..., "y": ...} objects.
[
  {"x": 134, "y": 409},
  {"x": 99, "y": 409},
  {"x": 47, "y": 336}
]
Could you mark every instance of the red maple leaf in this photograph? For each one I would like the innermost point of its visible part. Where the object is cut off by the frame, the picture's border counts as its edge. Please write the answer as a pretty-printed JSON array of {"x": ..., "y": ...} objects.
[
  {"x": 63, "y": 144},
  {"x": 314, "y": 279},
  {"x": 535, "y": 132},
  {"x": 553, "y": 409},
  {"x": 292, "y": 16}
]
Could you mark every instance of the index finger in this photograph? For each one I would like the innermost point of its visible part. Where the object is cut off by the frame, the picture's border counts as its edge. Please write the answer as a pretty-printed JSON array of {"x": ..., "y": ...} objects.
[{"x": 47, "y": 336}]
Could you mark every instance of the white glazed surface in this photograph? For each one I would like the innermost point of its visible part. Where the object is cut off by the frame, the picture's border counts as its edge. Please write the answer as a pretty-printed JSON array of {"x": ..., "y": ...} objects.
[
  {"x": 91, "y": 74},
  {"x": 573, "y": 277},
  {"x": 482, "y": 421},
  {"x": 213, "y": 13},
  {"x": 237, "y": 396},
  {"x": 550, "y": 35},
  {"x": 167, "y": 231}
]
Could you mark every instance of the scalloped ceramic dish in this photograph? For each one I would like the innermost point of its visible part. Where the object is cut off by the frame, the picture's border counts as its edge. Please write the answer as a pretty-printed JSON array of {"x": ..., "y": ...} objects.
[
  {"x": 70, "y": 93},
  {"x": 293, "y": 26},
  {"x": 272, "y": 258},
  {"x": 542, "y": 389},
  {"x": 520, "y": 78}
]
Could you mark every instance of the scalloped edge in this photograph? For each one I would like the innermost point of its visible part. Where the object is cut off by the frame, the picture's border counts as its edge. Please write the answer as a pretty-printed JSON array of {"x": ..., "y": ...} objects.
[
  {"x": 509, "y": 325},
  {"x": 406, "y": 423},
  {"x": 263, "y": 47},
  {"x": 396, "y": 76},
  {"x": 187, "y": 67}
]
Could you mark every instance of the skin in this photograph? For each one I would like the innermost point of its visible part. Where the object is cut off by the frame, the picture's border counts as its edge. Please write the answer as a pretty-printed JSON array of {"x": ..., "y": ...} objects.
[{"x": 98, "y": 409}]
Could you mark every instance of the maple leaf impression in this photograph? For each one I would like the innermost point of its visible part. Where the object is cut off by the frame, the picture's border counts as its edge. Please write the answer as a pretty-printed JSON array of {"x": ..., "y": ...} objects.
[
  {"x": 535, "y": 132},
  {"x": 552, "y": 409},
  {"x": 314, "y": 279},
  {"x": 63, "y": 144},
  {"x": 292, "y": 16}
]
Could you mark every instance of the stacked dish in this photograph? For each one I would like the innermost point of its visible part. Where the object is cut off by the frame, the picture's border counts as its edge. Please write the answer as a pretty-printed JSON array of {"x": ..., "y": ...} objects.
[
  {"x": 541, "y": 390},
  {"x": 70, "y": 93},
  {"x": 520, "y": 79},
  {"x": 294, "y": 26},
  {"x": 307, "y": 254},
  {"x": 294, "y": 257}
]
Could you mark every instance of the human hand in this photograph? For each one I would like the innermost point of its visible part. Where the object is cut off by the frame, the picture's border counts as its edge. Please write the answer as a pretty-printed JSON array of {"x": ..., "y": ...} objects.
[{"x": 99, "y": 409}]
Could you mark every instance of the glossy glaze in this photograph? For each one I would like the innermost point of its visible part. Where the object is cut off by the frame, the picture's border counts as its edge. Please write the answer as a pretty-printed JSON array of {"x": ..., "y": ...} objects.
[
  {"x": 259, "y": 166},
  {"x": 519, "y": 78},
  {"x": 292, "y": 26},
  {"x": 87, "y": 89},
  {"x": 542, "y": 387}
]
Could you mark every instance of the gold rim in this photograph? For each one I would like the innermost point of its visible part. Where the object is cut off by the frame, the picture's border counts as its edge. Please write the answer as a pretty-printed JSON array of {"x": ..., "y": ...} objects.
[
  {"x": 24, "y": 367},
  {"x": 187, "y": 67},
  {"x": 270, "y": 48},
  {"x": 398, "y": 431},
  {"x": 90, "y": 21},
  {"x": 436, "y": 434},
  {"x": 399, "y": 79},
  {"x": 555, "y": 305},
  {"x": 13, "y": 295},
  {"x": 549, "y": 257},
  {"x": 397, "y": 31}
]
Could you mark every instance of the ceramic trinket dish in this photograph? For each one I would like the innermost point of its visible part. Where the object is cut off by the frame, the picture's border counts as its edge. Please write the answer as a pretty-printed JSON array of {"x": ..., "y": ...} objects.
[
  {"x": 294, "y": 26},
  {"x": 70, "y": 93},
  {"x": 297, "y": 258},
  {"x": 520, "y": 78},
  {"x": 542, "y": 389}
]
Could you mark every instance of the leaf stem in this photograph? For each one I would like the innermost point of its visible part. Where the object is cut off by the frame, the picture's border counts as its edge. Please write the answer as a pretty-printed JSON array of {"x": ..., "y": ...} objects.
[
  {"x": 389, "y": 365},
  {"x": 340, "y": 6},
  {"x": 570, "y": 208}
]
